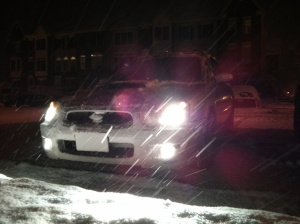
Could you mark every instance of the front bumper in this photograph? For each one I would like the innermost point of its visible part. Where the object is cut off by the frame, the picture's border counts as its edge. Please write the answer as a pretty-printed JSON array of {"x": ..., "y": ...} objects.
[{"x": 137, "y": 145}]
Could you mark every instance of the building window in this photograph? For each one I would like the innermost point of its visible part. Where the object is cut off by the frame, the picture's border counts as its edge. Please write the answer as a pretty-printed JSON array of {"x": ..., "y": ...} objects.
[
  {"x": 247, "y": 24},
  {"x": 93, "y": 40},
  {"x": 123, "y": 62},
  {"x": 73, "y": 64},
  {"x": 232, "y": 24},
  {"x": 41, "y": 64},
  {"x": 124, "y": 38},
  {"x": 82, "y": 62},
  {"x": 232, "y": 47},
  {"x": 82, "y": 42},
  {"x": 66, "y": 64},
  {"x": 161, "y": 33},
  {"x": 41, "y": 44},
  {"x": 71, "y": 43},
  {"x": 186, "y": 32},
  {"x": 12, "y": 65},
  {"x": 58, "y": 65},
  {"x": 96, "y": 61},
  {"x": 145, "y": 37},
  {"x": 59, "y": 43},
  {"x": 205, "y": 31},
  {"x": 100, "y": 39},
  {"x": 246, "y": 52},
  {"x": 232, "y": 50}
]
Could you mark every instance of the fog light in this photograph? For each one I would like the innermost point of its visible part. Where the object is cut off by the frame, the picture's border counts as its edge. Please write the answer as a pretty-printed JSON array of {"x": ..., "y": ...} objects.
[
  {"x": 167, "y": 151},
  {"x": 47, "y": 143}
]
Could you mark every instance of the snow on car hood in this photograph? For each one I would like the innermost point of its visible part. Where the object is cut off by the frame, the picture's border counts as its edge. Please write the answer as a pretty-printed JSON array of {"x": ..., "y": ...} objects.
[{"x": 131, "y": 95}]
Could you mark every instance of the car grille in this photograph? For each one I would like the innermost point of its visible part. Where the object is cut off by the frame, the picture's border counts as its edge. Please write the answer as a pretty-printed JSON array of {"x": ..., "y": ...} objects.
[
  {"x": 116, "y": 150},
  {"x": 92, "y": 118}
]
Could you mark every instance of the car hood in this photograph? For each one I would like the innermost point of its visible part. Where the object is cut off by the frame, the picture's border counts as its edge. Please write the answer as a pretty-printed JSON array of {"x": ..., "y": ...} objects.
[{"x": 130, "y": 96}]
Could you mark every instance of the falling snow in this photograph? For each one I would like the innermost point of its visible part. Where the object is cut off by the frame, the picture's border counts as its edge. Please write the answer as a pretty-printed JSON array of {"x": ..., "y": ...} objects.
[{"x": 35, "y": 194}]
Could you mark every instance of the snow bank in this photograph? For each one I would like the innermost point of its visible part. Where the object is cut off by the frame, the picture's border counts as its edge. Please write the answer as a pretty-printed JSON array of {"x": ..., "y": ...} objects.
[{"x": 24, "y": 200}]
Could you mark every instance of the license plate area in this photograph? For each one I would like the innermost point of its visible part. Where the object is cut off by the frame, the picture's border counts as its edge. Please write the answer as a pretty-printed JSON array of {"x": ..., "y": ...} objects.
[{"x": 91, "y": 141}]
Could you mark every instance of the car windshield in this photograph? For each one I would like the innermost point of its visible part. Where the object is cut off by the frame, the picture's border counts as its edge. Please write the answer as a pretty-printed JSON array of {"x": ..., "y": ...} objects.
[
  {"x": 130, "y": 111},
  {"x": 182, "y": 69},
  {"x": 185, "y": 69}
]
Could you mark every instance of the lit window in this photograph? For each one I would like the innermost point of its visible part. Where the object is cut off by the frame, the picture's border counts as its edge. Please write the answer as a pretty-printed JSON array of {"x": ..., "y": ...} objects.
[
  {"x": 58, "y": 65},
  {"x": 66, "y": 64},
  {"x": 96, "y": 60},
  {"x": 82, "y": 62},
  {"x": 73, "y": 64}
]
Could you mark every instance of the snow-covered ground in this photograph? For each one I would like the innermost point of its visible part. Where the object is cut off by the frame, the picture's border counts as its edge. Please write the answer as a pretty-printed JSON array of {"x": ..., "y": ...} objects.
[
  {"x": 35, "y": 194},
  {"x": 24, "y": 200}
]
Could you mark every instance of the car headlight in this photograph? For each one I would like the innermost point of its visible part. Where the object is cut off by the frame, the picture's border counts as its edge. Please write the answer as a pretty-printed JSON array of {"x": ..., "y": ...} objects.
[
  {"x": 51, "y": 112},
  {"x": 167, "y": 151},
  {"x": 174, "y": 114},
  {"x": 47, "y": 143}
]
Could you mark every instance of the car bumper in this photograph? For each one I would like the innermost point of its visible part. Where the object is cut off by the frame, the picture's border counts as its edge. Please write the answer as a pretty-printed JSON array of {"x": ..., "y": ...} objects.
[{"x": 147, "y": 148}]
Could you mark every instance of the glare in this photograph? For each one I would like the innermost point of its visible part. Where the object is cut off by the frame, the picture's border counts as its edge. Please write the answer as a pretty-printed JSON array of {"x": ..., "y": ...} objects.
[
  {"x": 51, "y": 112},
  {"x": 47, "y": 143},
  {"x": 167, "y": 151},
  {"x": 174, "y": 115}
]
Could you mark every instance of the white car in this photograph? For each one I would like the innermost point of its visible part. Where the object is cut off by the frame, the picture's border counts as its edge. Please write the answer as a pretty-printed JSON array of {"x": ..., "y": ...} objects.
[{"x": 147, "y": 123}]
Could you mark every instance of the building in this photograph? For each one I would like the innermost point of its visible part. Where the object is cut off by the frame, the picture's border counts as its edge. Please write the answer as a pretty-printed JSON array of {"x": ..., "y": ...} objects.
[{"x": 107, "y": 36}]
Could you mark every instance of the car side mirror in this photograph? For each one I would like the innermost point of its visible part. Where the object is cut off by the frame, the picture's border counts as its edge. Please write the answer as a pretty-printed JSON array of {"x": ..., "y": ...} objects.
[{"x": 223, "y": 77}]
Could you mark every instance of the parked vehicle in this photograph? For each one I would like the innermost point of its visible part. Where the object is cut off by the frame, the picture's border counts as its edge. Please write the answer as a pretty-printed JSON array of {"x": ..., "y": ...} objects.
[
  {"x": 10, "y": 94},
  {"x": 246, "y": 96},
  {"x": 136, "y": 121}
]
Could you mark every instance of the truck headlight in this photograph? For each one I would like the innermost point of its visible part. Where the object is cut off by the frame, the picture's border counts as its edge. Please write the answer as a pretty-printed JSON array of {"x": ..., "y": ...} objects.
[
  {"x": 174, "y": 114},
  {"x": 51, "y": 112}
]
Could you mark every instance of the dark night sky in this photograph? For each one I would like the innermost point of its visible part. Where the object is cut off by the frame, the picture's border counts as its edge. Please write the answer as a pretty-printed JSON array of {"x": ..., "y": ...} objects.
[{"x": 59, "y": 14}]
